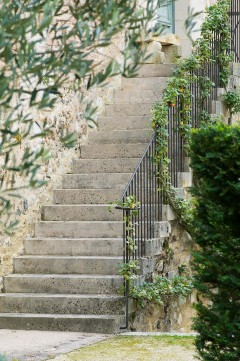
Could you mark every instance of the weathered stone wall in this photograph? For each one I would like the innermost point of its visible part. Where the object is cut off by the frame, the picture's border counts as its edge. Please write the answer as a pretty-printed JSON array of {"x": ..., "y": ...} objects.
[
  {"x": 67, "y": 115},
  {"x": 177, "y": 312}
]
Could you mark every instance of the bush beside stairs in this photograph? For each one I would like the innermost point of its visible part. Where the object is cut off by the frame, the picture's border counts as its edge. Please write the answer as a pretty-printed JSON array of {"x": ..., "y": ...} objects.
[{"x": 67, "y": 278}]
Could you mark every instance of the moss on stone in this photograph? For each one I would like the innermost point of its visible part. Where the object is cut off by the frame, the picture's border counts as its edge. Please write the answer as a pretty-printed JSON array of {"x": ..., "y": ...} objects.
[{"x": 141, "y": 348}]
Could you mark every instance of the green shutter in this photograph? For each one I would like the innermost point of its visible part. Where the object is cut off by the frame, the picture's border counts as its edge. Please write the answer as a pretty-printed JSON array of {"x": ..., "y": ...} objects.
[{"x": 166, "y": 17}]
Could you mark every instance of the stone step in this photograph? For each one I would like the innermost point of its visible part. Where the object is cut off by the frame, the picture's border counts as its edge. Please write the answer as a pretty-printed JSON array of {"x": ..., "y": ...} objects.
[
  {"x": 151, "y": 83},
  {"x": 107, "y": 324},
  {"x": 124, "y": 122},
  {"x": 132, "y": 109},
  {"x": 96, "y": 181},
  {"x": 120, "y": 136},
  {"x": 62, "y": 304},
  {"x": 184, "y": 179},
  {"x": 155, "y": 70},
  {"x": 104, "y": 151},
  {"x": 136, "y": 96},
  {"x": 121, "y": 165},
  {"x": 69, "y": 284},
  {"x": 73, "y": 229},
  {"x": 74, "y": 246},
  {"x": 83, "y": 212},
  {"x": 86, "y": 196},
  {"x": 67, "y": 265}
]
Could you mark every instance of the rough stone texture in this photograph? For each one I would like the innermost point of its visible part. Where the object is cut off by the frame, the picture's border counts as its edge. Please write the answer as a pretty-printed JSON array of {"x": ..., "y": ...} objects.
[
  {"x": 67, "y": 115},
  {"x": 167, "y": 39},
  {"x": 153, "y": 52},
  {"x": 172, "y": 53},
  {"x": 176, "y": 313}
]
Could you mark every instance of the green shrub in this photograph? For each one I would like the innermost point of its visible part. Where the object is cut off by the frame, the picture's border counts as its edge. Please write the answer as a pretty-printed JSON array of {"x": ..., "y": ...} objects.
[
  {"x": 162, "y": 288},
  {"x": 215, "y": 159}
]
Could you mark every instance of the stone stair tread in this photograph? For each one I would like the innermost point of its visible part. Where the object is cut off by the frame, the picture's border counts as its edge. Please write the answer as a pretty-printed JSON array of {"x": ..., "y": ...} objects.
[
  {"x": 49, "y": 315},
  {"x": 80, "y": 189},
  {"x": 61, "y": 295},
  {"x": 120, "y": 122},
  {"x": 73, "y": 239},
  {"x": 103, "y": 323},
  {"x": 79, "y": 161},
  {"x": 79, "y": 229},
  {"x": 129, "y": 109},
  {"x": 95, "y": 181},
  {"x": 74, "y": 246},
  {"x": 106, "y": 165},
  {"x": 80, "y": 222},
  {"x": 120, "y": 136},
  {"x": 68, "y": 283},
  {"x": 73, "y": 196},
  {"x": 153, "y": 70},
  {"x": 87, "y": 276},
  {"x": 87, "y": 174},
  {"x": 137, "y": 97},
  {"x": 102, "y": 151},
  {"x": 68, "y": 257},
  {"x": 144, "y": 84}
]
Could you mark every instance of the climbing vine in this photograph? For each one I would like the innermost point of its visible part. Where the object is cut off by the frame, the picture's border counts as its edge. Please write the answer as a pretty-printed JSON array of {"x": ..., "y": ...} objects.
[
  {"x": 178, "y": 99},
  {"x": 215, "y": 30},
  {"x": 232, "y": 101}
]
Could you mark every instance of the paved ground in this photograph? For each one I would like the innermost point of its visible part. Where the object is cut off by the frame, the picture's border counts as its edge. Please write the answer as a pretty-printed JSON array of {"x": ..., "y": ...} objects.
[{"x": 42, "y": 345}]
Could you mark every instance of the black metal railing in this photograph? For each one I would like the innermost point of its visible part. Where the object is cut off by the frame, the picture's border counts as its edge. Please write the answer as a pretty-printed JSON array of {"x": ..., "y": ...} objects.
[
  {"x": 234, "y": 16},
  {"x": 144, "y": 187},
  {"x": 144, "y": 183}
]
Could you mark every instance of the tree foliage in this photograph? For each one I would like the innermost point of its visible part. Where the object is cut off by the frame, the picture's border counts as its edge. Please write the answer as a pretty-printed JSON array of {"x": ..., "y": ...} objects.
[
  {"x": 45, "y": 44},
  {"x": 215, "y": 160}
]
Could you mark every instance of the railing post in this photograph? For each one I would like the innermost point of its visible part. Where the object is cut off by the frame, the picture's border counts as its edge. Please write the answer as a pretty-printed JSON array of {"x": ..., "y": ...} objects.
[{"x": 128, "y": 252}]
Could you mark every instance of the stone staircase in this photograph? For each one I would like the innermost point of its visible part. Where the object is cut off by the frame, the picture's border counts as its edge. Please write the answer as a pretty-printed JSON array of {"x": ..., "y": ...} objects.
[{"x": 67, "y": 278}]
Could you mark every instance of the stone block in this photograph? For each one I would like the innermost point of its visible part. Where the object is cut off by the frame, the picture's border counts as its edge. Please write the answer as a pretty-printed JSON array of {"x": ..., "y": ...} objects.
[
  {"x": 153, "y": 247},
  {"x": 147, "y": 266},
  {"x": 218, "y": 107},
  {"x": 163, "y": 229},
  {"x": 172, "y": 53},
  {"x": 235, "y": 69},
  {"x": 153, "y": 53},
  {"x": 184, "y": 179},
  {"x": 167, "y": 39},
  {"x": 167, "y": 213}
]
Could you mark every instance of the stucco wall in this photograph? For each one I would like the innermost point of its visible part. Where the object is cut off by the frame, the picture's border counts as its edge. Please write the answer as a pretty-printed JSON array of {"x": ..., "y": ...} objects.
[{"x": 182, "y": 10}]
